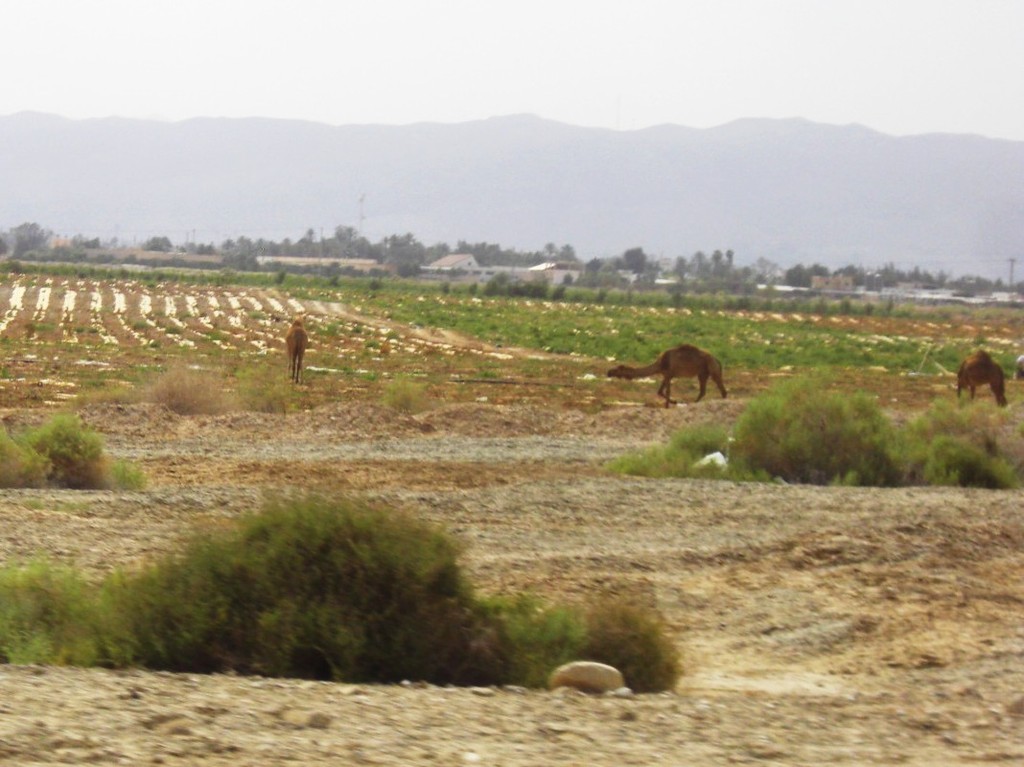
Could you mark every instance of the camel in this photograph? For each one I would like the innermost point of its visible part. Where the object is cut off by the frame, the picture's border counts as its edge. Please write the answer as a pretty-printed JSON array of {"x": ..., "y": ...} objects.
[
  {"x": 683, "y": 361},
  {"x": 296, "y": 342},
  {"x": 979, "y": 369}
]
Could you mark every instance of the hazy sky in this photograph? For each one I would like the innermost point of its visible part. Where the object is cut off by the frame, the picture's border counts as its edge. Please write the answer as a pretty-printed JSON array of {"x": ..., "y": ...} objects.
[{"x": 899, "y": 66}]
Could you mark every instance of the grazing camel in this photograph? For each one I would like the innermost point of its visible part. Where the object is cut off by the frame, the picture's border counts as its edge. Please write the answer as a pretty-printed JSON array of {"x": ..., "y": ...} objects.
[
  {"x": 683, "y": 361},
  {"x": 296, "y": 342},
  {"x": 980, "y": 369}
]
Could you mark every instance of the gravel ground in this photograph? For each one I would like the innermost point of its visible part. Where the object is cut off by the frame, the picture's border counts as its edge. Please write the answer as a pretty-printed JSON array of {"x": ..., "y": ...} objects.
[{"x": 816, "y": 625}]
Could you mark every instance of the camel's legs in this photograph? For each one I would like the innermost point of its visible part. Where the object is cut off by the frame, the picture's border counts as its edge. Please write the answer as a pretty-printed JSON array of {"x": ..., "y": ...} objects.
[
  {"x": 703, "y": 379},
  {"x": 665, "y": 390}
]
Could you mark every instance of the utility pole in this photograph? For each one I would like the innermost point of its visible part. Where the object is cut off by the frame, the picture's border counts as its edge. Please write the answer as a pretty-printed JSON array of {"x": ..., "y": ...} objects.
[{"x": 1012, "y": 262}]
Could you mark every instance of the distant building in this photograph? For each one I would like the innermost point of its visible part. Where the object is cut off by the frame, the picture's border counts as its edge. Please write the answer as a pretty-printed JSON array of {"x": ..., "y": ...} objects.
[
  {"x": 556, "y": 273},
  {"x": 456, "y": 262},
  {"x": 842, "y": 283}
]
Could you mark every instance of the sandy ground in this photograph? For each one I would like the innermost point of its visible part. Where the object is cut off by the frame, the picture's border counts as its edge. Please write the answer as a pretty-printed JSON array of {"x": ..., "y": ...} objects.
[{"x": 816, "y": 625}]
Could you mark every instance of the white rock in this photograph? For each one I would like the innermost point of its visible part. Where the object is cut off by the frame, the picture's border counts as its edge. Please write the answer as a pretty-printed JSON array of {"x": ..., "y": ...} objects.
[{"x": 586, "y": 676}]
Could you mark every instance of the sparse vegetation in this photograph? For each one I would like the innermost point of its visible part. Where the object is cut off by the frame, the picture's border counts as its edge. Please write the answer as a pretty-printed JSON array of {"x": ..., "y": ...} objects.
[
  {"x": 804, "y": 431},
  {"x": 264, "y": 389},
  {"x": 681, "y": 457},
  {"x": 405, "y": 396}
]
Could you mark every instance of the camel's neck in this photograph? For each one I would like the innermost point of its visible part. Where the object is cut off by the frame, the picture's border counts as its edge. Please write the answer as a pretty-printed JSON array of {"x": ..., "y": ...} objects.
[{"x": 643, "y": 372}]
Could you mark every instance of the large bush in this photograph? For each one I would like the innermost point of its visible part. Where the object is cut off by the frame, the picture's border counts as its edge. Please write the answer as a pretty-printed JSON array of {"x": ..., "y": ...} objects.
[
  {"x": 801, "y": 431},
  {"x": 320, "y": 589},
  {"x": 308, "y": 589}
]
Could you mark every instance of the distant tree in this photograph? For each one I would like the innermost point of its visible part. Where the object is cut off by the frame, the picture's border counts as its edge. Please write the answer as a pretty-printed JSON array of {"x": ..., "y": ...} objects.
[
  {"x": 799, "y": 276},
  {"x": 158, "y": 244},
  {"x": 405, "y": 253},
  {"x": 3, "y": 246},
  {"x": 28, "y": 237},
  {"x": 699, "y": 265},
  {"x": 766, "y": 271},
  {"x": 79, "y": 241},
  {"x": 635, "y": 260}
]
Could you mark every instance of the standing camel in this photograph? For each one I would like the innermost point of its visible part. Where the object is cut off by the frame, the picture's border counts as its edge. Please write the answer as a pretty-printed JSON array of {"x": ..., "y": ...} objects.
[
  {"x": 683, "y": 361},
  {"x": 980, "y": 369},
  {"x": 296, "y": 342}
]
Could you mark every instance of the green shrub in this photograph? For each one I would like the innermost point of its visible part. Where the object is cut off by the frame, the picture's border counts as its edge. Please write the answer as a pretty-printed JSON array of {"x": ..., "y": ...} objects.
[
  {"x": 73, "y": 451},
  {"x": 953, "y": 444},
  {"x": 47, "y": 615},
  {"x": 189, "y": 392},
  {"x": 634, "y": 639},
  {"x": 311, "y": 589},
  {"x": 803, "y": 432},
  {"x": 127, "y": 476},
  {"x": 405, "y": 396},
  {"x": 531, "y": 638},
  {"x": 21, "y": 466},
  {"x": 978, "y": 422},
  {"x": 953, "y": 461},
  {"x": 680, "y": 457}
]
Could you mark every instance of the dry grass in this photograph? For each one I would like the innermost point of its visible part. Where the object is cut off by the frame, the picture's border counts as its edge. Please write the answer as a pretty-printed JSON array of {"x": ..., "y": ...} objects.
[{"x": 188, "y": 391}]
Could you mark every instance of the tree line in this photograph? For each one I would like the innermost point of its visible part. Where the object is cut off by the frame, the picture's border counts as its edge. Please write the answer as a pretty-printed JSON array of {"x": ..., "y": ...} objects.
[{"x": 405, "y": 255}]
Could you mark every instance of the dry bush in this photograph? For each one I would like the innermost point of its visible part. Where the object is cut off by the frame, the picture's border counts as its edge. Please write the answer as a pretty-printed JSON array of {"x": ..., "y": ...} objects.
[
  {"x": 406, "y": 396},
  {"x": 189, "y": 391}
]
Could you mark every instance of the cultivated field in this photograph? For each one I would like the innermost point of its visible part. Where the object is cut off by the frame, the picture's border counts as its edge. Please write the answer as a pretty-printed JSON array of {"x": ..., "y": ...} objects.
[{"x": 817, "y": 625}]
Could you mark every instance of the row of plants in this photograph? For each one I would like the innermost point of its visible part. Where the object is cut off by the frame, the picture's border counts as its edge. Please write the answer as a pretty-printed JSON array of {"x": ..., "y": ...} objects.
[
  {"x": 624, "y": 332},
  {"x": 319, "y": 588},
  {"x": 636, "y": 325},
  {"x": 804, "y": 431}
]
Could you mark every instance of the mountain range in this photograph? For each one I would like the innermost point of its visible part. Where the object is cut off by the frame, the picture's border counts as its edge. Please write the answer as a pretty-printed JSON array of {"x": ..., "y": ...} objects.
[{"x": 790, "y": 191}]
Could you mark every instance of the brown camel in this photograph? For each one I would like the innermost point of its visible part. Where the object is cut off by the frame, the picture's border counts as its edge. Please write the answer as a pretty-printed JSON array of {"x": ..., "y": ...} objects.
[
  {"x": 296, "y": 342},
  {"x": 980, "y": 369},
  {"x": 683, "y": 361}
]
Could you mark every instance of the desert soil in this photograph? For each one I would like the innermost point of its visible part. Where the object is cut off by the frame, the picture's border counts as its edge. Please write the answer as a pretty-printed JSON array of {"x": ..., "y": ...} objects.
[{"x": 817, "y": 625}]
